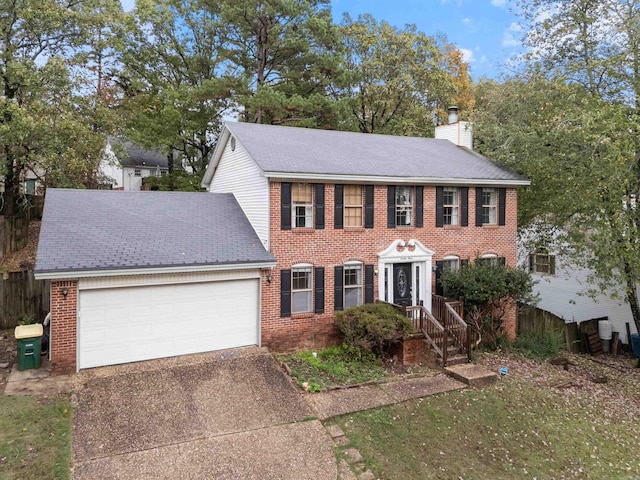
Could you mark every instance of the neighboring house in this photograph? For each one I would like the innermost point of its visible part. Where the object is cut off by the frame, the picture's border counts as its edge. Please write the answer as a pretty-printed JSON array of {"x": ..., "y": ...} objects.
[
  {"x": 299, "y": 224},
  {"x": 126, "y": 164},
  {"x": 563, "y": 290}
]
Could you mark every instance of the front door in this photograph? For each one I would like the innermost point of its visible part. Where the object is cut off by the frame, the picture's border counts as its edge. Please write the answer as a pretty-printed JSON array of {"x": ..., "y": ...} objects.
[{"x": 402, "y": 283}]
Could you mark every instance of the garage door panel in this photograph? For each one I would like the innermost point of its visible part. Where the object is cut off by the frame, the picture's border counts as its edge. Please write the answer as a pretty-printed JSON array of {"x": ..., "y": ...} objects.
[{"x": 121, "y": 325}]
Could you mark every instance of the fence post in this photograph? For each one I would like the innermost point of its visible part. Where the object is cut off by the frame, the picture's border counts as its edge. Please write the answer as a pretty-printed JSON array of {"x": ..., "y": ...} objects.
[{"x": 469, "y": 330}]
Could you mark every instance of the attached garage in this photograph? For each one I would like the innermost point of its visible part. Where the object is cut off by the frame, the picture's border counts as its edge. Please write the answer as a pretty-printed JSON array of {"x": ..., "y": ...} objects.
[
  {"x": 129, "y": 324},
  {"x": 143, "y": 275}
]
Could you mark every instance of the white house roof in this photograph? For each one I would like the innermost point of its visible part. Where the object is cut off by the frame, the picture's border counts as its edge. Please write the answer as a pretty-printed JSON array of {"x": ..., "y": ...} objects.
[{"x": 289, "y": 152}]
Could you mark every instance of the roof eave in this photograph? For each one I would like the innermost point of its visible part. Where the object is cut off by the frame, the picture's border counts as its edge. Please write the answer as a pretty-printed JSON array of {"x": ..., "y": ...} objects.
[
  {"x": 215, "y": 157},
  {"x": 394, "y": 180},
  {"x": 74, "y": 274}
]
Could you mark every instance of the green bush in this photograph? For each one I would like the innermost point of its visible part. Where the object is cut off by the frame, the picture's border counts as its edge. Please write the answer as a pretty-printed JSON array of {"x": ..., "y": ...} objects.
[
  {"x": 539, "y": 345},
  {"x": 372, "y": 327}
]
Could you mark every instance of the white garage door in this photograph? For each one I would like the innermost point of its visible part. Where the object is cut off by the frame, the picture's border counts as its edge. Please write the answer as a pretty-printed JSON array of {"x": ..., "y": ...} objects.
[{"x": 120, "y": 325}]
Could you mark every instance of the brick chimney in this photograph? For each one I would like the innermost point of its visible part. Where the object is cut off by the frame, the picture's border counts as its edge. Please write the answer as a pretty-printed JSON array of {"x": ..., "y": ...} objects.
[{"x": 455, "y": 131}]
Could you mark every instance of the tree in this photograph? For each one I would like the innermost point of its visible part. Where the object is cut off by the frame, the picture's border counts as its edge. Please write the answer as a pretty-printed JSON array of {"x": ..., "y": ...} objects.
[
  {"x": 285, "y": 52},
  {"x": 46, "y": 123},
  {"x": 176, "y": 82},
  {"x": 400, "y": 80},
  {"x": 569, "y": 121},
  {"x": 488, "y": 290}
]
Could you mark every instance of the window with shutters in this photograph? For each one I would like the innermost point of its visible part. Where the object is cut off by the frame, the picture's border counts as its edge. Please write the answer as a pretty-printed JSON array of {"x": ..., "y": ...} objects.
[
  {"x": 404, "y": 206},
  {"x": 542, "y": 263},
  {"x": 353, "y": 206},
  {"x": 491, "y": 259},
  {"x": 301, "y": 289},
  {"x": 450, "y": 205},
  {"x": 489, "y": 206},
  {"x": 353, "y": 284},
  {"x": 450, "y": 264},
  {"x": 302, "y": 205}
]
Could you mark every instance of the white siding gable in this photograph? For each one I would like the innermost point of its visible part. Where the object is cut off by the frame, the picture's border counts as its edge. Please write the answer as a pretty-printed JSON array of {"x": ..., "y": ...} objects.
[{"x": 239, "y": 174}]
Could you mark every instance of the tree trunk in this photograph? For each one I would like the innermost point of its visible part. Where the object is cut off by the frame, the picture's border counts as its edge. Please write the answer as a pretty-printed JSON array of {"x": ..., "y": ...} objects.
[{"x": 632, "y": 295}]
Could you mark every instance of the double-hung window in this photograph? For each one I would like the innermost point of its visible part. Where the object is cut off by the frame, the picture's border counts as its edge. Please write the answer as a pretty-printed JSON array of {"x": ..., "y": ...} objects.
[
  {"x": 353, "y": 206},
  {"x": 542, "y": 263},
  {"x": 353, "y": 284},
  {"x": 489, "y": 206},
  {"x": 450, "y": 206},
  {"x": 404, "y": 206},
  {"x": 302, "y": 205},
  {"x": 301, "y": 289}
]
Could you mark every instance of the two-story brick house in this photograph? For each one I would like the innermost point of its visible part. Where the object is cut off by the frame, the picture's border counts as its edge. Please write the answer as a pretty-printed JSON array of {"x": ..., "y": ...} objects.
[{"x": 351, "y": 218}]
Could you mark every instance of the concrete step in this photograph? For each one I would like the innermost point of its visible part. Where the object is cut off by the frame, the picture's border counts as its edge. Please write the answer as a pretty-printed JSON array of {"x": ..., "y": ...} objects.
[{"x": 471, "y": 374}]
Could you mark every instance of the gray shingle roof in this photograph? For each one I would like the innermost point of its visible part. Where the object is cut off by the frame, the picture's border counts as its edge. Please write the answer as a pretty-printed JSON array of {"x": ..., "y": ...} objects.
[
  {"x": 91, "y": 230},
  {"x": 137, "y": 156},
  {"x": 292, "y": 150}
]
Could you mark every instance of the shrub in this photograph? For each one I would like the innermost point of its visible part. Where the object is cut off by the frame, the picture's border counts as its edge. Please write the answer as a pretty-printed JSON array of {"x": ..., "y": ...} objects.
[
  {"x": 372, "y": 326},
  {"x": 539, "y": 345}
]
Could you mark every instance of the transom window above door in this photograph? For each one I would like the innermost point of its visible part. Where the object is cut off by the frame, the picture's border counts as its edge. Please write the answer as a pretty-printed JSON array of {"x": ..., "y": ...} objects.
[{"x": 302, "y": 205}]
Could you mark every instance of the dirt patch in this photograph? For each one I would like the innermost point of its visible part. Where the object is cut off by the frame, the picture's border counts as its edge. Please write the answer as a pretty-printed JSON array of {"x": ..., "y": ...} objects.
[{"x": 8, "y": 353}]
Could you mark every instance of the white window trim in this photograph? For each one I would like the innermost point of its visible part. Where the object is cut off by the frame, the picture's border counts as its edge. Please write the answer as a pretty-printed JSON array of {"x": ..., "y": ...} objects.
[
  {"x": 408, "y": 208},
  {"x": 455, "y": 207},
  {"x": 360, "y": 206},
  {"x": 309, "y": 206},
  {"x": 306, "y": 267},
  {"x": 449, "y": 258},
  {"x": 491, "y": 207},
  {"x": 346, "y": 287}
]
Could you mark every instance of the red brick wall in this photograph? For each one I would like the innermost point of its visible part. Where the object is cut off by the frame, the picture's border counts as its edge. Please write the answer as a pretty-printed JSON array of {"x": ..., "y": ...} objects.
[
  {"x": 329, "y": 247},
  {"x": 63, "y": 326}
]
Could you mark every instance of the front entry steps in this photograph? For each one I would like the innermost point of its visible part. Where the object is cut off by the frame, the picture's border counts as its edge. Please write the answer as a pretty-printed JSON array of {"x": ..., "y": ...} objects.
[{"x": 471, "y": 374}]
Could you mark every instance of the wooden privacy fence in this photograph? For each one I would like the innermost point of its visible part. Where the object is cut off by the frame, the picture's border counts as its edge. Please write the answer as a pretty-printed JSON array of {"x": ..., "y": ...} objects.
[
  {"x": 21, "y": 294},
  {"x": 534, "y": 320}
]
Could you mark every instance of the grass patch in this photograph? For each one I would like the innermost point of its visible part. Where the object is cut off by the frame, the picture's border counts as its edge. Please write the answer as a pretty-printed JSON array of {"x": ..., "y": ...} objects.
[
  {"x": 35, "y": 438},
  {"x": 539, "y": 346},
  {"x": 510, "y": 430},
  {"x": 333, "y": 367}
]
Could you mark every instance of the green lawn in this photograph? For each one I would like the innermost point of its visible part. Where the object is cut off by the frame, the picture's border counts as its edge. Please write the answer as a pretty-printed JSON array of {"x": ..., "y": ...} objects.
[
  {"x": 510, "y": 430},
  {"x": 35, "y": 438}
]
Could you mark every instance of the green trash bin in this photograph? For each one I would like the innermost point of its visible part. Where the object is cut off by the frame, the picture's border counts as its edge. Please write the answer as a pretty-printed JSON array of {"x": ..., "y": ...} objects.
[{"x": 29, "y": 339}]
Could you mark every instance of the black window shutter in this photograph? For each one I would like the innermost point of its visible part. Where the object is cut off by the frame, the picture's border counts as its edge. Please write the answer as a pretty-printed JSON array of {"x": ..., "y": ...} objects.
[
  {"x": 318, "y": 286},
  {"x": 464, "y": 263},
  {"x": 338, "y": 282},
  {"x": 338, "y": 213},
  {"x": 502, "y": 205},
  {"x": 532, "y": 265},
  {"x": 552, "y": 264},
  {"x": 285, "y": 293},
  {"x": 368, "y": 206},
  {"x": 439, "y": 267},
  {"x": 464, "y": 206},
  {"x": 368, "y": 284},
  {"x": 391, "y": 206},
  {"x": 478, "y": 206},
  {"x": 502, "y": 261},
  {"x": 319, "y": 220},
  {"x": 285, "y": 209},
  {"x": 419, "y": 206},
  {"x": 439, "y": 206}
]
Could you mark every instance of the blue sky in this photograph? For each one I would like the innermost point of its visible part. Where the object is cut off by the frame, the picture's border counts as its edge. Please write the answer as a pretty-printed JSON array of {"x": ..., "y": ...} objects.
[{"x": 485, "y": 30}]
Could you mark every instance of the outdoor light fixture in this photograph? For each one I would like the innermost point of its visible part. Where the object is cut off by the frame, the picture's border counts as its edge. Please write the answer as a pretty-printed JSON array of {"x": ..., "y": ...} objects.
[
  {"x": 65, "y": 292},
  {"x": 269, "y": 277}
]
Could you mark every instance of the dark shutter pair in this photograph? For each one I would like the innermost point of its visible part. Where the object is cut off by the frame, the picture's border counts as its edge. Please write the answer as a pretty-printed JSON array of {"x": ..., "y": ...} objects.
[
  {"x": 338, "y": 216},
  {"x": 502, "y": 206},
  {"x": 338, "y": 282},
  {"x": 463, "y": 205},
  {"x": 286, "y": 205},
  {"x": 439, "y": 268},
  {"x": 285, "y": 291},
  {"x": 418, "y": 206}
]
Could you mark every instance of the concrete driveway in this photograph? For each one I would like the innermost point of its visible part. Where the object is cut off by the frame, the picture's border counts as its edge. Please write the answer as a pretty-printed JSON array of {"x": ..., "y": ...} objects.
[{"x": 224, "y": 415}]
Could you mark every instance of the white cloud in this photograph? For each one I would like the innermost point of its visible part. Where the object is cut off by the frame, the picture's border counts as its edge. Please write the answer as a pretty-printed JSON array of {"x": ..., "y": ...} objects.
[
  {"x": 466, "y": 21},
  {"x": 515, "y": 27},
  {"x": 467, "y": 55},
  {"x": 508, "y": 40},
  {"x": 499, "y": 3}
]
